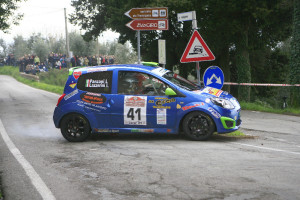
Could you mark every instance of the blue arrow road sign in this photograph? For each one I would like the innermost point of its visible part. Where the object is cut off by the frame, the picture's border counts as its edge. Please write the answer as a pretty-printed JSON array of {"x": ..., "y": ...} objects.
[{"x": 213, "y": 77}]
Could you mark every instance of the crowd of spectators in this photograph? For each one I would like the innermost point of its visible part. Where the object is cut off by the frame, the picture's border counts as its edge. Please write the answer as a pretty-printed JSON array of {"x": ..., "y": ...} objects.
[{"x": 32, "y": 63}]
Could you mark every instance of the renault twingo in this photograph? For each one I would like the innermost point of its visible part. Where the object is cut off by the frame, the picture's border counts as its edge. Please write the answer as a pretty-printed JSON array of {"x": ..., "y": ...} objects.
[{"x": 141, "y": 99}]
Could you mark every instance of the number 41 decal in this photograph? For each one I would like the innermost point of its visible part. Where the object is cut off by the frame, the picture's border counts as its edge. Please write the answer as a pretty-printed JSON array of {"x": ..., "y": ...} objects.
[
  {"x": 131, "y": 113},
  {"x": 135, "y": 108}
]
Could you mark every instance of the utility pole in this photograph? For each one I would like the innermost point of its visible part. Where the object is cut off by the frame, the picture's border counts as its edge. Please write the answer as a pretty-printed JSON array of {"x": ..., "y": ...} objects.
[{"x": 67, "y": 35}]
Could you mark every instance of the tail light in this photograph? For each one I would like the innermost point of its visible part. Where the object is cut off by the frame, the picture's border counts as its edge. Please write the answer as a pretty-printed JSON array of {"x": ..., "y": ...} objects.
[{"x": 60, "y": 98}]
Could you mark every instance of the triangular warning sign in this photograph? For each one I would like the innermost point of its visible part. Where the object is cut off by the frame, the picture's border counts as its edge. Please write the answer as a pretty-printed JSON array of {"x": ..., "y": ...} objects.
[{"x": 196, "y": 50}]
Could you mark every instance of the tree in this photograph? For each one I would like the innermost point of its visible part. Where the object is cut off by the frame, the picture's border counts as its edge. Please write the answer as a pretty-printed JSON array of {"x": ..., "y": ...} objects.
[
  {"x": 19, "y": 48},
  {"x": 3, "y": 45},
  {"x": 7, "y": 13},
  {"x": 41, "y": 49},
  {"x": 295, "y": 56}
]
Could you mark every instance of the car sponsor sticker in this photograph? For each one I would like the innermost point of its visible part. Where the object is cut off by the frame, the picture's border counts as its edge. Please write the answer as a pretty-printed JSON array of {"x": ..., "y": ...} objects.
[
  {"x": 192, "y": 106},
  {"x": 160, "y": 71},
  {"x": 161, "y": 116},
  {"x": 210, "y": 90},
  {"x": 100, "y": 69},
  {"x": 142, "y": 130},
  {"x": 68, "y": 96},
  {"x": 72, "y": 85},
  {"x": 76, "y": 74},
  {"x": 93, "y": 98},
  {"x": 135, "y": 110},
  {"x": 214, "y": 112},
  {"x": 162, "y": 103},
  {"x": 96, "y": 83}
]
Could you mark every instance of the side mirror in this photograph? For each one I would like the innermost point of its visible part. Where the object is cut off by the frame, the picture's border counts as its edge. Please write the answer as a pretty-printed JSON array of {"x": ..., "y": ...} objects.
[{"x": 170, "y": 92}]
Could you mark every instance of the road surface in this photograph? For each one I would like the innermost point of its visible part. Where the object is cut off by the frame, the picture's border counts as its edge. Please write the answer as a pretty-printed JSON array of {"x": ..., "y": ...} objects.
[{"x": 36, "y": 162}]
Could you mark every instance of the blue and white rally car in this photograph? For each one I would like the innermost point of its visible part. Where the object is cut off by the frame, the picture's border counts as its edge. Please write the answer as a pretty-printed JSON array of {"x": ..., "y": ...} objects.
[{"x": 141, "y": 99}]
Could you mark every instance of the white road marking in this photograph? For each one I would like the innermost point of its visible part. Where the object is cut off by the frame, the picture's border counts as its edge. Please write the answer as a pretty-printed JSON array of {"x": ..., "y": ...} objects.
[
  {"x": 266, "y": 148},
  {"x": 36, "y": 180}
]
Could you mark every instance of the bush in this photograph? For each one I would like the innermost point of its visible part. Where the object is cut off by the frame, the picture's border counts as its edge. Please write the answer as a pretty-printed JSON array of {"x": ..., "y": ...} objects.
[{"x": 55, "y": 77}]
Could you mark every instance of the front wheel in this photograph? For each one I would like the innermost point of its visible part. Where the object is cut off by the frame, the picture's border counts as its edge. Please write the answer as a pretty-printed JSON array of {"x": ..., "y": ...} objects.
[
  {"x": 198, "y": 126},
  {"x": 75, "y": 128}
]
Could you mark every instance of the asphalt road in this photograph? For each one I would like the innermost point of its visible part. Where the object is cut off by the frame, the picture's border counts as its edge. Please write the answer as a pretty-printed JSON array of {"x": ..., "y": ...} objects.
[{"x": 265, "y": 165}]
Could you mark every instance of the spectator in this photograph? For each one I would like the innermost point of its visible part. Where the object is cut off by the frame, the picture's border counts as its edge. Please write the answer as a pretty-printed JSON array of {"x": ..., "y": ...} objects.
[{"x": 36, "y": 60}]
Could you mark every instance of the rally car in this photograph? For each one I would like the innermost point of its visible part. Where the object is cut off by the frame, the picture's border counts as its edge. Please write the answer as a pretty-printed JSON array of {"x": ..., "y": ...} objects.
[{"x": 141, "y": 99}]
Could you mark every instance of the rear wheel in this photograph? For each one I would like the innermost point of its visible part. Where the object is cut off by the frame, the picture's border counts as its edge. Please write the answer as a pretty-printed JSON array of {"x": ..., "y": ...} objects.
[
  {"x": 198, "y": 126},
  {"x": 75, "y": 128}
]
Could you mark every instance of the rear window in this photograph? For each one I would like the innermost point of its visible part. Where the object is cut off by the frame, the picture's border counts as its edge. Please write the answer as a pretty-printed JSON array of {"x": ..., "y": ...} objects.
[{"x": 97, "y": 82}]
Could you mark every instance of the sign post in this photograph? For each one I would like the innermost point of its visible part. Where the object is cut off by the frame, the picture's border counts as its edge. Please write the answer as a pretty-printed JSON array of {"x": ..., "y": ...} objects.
[
  {"x": 146, "y": 19},
  {"x": 196, "y": 50},
  {"x": 162, "y": 52}
]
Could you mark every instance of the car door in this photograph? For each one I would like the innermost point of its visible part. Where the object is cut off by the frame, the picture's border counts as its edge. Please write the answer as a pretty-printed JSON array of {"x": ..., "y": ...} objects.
[
  {"x": 141, "y": 103},
  {"x": 95, "y": 97}
]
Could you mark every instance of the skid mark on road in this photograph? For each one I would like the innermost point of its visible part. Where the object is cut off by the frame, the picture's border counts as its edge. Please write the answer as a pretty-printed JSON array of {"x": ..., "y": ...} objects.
[
  {"x": 35, "y": 179},
  {"x": 267, "y": 148}
]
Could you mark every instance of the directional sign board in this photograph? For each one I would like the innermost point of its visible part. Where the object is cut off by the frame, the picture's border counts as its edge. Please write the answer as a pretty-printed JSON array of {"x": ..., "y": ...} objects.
[
  {"x": 147, "y": 13},
  {"x": 186, "y": 16},
  {"x": 196, "y": 50},
  {"x": 147, "y": 25},
  {"x": 213, "y": 77}
]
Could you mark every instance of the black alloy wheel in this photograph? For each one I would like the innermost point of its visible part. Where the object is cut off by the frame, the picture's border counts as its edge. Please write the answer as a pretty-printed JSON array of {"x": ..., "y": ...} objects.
[
  {"x": 75, "y": 128},
  {"x": 198, "y": 126}
]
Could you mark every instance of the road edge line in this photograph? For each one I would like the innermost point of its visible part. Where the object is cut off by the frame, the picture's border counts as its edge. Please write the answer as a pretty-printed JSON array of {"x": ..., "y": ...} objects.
[
  {"x": 267, "y": 148},
  {"x": 35, "y": 179}
]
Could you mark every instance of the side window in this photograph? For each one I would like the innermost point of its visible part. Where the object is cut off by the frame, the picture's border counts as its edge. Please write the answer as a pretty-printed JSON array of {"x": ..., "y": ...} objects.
[
  {"x": 97, "y": 82},
  {"x": 138, "y": 83}
]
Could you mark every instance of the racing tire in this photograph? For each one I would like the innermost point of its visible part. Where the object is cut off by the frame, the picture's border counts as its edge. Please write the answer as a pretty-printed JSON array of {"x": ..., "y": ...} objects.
[
  {"x": 75, "y": 128},
  {"x": 198, "y": 126}
]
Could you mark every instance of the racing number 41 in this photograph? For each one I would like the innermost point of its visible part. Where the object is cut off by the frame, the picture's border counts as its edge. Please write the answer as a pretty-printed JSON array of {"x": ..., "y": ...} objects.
[{"x": 131, "y": 113}]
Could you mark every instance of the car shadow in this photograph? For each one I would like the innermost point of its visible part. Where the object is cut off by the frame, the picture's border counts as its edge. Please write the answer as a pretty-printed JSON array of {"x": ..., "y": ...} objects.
[{"x": 162, "y": 137}]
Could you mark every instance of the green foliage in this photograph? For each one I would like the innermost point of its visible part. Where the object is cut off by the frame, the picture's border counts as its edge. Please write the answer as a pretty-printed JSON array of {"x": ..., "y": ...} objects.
[
  {"x": 55, "y": 77},
  {"x": 41, "y": 49},
  {"x": 7, "y": 13},
  {"x": 265, "y": 107},
  {"x": 295, "y": 56}
]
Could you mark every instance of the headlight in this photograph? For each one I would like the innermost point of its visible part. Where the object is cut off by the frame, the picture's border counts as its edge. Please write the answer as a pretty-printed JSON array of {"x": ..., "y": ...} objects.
[{"x": 224, "y": 103}]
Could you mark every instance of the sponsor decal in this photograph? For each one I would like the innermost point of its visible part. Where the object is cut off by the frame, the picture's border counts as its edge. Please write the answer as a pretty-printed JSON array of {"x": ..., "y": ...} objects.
[
  {"x": 160, "y": 71},
  {"x": 93, "y": 98},
  {"x": 106, "y": 130},
  {"x": 135, "y": 110},
  {"x": 142, "y": 130},
  {"x": 192, "y": 106},
  {"x": 210, "y": 90},
  {"x": 178, "y": 106},
  {"x": 72, "y": 85},
  {"x": 161, "y": 101},
  {"x": 214, "y": 112},
  {"x": 68, "y": 96},
  {"x": 100, "y": 69},
  {"x": 90, "y": 106},
  {"x": 90, "y": 83},
  {"x": 161, "y": 116},
  {"x": 76, "y": 74}
]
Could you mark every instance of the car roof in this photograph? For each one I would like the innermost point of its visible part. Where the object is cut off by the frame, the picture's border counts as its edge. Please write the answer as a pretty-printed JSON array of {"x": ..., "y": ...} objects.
[{"x": 107, "y": 67}]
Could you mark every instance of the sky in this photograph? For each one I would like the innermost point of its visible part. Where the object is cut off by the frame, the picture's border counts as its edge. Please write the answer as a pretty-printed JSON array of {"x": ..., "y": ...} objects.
[{"x": 46, "y": 17}]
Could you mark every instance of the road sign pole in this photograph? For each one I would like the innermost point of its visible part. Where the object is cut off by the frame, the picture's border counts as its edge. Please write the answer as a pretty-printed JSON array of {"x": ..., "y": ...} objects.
[
  {"x": 194, "y": 24},
  {"x": 198, "y": 73},
  {"x": 139, "y": 46}
]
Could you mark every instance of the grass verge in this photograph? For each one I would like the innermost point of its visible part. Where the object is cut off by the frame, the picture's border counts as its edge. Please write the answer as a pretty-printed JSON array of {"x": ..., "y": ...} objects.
[
  {"x": 263, "y": 108},
  {"x": 14, "y": 72}
]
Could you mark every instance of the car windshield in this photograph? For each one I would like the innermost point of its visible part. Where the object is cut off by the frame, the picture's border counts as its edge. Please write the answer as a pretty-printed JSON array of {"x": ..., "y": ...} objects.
[{"x": 181, "y": 82}]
